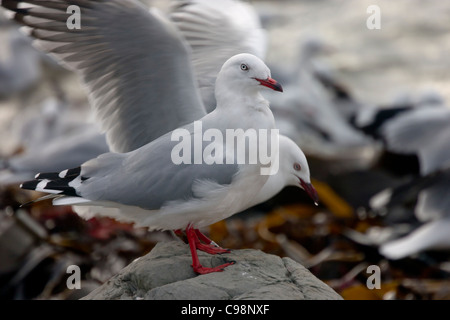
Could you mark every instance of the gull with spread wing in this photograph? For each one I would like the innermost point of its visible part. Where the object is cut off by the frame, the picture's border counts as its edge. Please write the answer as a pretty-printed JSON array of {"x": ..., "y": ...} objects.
[{"x": 133, "y": 82}]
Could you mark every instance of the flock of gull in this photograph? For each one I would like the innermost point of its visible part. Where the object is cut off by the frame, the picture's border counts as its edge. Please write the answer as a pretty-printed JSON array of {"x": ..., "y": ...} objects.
[{"x": 148, "y": 73}]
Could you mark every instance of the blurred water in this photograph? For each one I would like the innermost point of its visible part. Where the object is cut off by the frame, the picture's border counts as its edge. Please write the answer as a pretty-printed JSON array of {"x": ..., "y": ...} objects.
[{"x": 407, "y": 55}]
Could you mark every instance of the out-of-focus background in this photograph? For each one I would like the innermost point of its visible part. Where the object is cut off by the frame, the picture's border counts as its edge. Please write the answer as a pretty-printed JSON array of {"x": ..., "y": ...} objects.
[{"x": 354, "y": 72}]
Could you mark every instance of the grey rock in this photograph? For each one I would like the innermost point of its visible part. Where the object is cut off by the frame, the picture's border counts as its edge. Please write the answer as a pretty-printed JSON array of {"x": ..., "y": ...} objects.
[{"x": 166, "y": 273}]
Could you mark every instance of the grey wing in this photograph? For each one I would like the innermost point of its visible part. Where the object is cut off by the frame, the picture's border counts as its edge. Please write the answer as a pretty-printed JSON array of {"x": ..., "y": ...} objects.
[
  {"x": 133, "y": 61},
  {"x": 422, "y": 131},
  {"x": 66, "y": 151},
  {"x": 147, "y": 177},
  {"x": 216, "y": 31},
  {"x": 434, "y": 202},
  {"x": 436, "y": 155}
]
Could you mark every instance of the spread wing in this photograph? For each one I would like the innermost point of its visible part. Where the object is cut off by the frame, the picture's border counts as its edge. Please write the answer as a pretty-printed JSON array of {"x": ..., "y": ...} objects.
[
  {"x": 216, "y": 31},
  {"x": 134, "y": 63}
]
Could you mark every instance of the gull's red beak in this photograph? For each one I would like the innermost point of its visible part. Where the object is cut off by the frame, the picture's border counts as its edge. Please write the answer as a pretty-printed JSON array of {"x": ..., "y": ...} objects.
[
  {"x": 270, "y": 83},
  {"x": 311, "y": 191}
]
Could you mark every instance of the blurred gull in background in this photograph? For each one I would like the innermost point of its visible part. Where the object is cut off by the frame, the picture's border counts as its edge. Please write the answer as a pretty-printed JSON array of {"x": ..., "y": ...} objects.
[
  {"x": 307, "y": 112},
  {"x": 426, "y": 132},
  {"x": 20, "y": 63},
  {"x": 371, "y": 119}
]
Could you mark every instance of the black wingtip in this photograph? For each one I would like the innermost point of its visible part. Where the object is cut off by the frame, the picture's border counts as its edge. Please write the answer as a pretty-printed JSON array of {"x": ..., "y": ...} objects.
[
  {"x": 30, "y": 185},
  {"x": 73, "y": 173},
  {"x": 47, "y": 175},
  {"x": 13, "y": 5}
]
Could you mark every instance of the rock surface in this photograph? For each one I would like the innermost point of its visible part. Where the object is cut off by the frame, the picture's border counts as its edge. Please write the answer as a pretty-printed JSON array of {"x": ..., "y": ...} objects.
[{"x": 166, "y": 273}]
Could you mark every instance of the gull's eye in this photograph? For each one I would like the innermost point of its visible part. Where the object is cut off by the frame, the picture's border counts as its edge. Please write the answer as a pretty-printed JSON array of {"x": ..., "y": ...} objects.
[
  {"x": 297, "y": 166},
  {"x": 244, "y": 67}
]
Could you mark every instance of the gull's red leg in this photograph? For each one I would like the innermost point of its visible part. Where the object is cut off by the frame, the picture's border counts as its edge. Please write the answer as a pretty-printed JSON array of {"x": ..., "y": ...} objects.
[
  {"x": 204, "y": 238},
  {"x": 210, "y": 247},
  {"x": 198, "y": 268}
]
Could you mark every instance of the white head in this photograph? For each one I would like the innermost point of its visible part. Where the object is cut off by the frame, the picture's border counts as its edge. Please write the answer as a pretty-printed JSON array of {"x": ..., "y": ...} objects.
[
  {"x": 294, "y": 169},
  {"x": 244, "y": 73}
]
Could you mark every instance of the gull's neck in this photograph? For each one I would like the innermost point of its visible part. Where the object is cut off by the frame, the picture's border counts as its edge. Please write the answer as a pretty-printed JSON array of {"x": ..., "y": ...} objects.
[
  {"x": 273, "y": 185},
  {"x": 244, "y": 111},
  {"x": 231, "y": 98}
]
